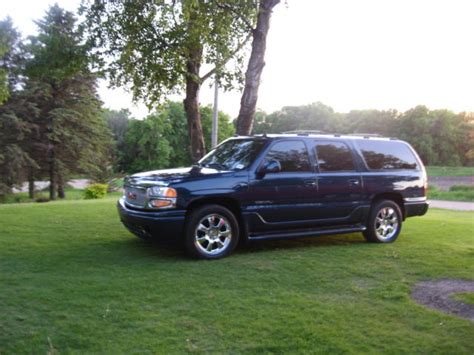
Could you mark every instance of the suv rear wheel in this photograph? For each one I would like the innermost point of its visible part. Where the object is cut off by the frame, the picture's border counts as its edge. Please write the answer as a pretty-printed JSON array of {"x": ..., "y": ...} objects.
[
  {"x": 212, "y": 232},
  {"x": 385, "y": 222}
]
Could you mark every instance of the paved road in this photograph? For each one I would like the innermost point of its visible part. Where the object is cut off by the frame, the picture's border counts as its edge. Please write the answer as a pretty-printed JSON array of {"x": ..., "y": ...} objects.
[{"x": 452, "y": 205}]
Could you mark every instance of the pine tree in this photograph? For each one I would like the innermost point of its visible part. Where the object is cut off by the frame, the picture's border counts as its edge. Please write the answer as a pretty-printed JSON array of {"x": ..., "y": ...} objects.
[{"x": 73, "y": 138}]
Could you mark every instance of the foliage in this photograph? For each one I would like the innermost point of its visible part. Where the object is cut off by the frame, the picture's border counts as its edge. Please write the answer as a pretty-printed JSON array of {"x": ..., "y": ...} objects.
[
  {"x": 72, "y": 137},
  {"x": 158, "y": 48},
  {"x": 147, "y": 44},
  {"x": 334, "y": 294},
  {"x": 94, "y": 191},
  {"x": 440, "y": 137},
  {"x": 16, "y": 112},
  {"x": 118, "y": 123},
  {"x": 161, "y": 139}
]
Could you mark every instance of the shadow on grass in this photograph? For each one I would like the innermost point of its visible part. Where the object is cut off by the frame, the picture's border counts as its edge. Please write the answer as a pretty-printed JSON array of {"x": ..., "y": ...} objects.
[{"x": 174, "y": 249}]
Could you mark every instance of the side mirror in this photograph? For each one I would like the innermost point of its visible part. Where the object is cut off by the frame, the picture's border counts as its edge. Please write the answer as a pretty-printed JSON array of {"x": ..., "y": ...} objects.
[{"x": 271, "y": 166}]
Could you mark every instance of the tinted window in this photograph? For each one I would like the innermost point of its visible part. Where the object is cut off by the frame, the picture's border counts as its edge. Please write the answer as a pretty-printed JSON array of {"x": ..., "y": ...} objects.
[
  {"x": 334, "y": 156},
  {"x": 292, "y": 156},
  {"x": 234, "y": 154},
  {"x": 386, "y": 155}
]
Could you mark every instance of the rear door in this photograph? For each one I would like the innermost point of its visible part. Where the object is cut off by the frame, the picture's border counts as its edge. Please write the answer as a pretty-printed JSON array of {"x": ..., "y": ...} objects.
[{"x": 340, "y": 190}]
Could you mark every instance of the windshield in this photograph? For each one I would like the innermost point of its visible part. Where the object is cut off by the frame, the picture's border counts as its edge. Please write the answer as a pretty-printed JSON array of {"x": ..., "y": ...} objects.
[{"x": 234, "y": 154}]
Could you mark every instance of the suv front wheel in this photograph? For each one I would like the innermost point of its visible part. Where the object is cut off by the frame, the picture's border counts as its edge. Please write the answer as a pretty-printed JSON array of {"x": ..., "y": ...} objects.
[
  {"x": 385, "y": 222},
  {"x": 212, "y": 232}
]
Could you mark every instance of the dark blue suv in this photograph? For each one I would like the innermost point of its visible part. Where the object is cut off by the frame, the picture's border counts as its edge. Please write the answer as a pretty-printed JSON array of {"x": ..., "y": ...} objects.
[{"x": 279, "y": 186}]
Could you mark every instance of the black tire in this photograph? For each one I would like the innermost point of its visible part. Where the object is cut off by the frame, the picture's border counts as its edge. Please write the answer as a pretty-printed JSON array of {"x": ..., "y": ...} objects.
[
  {"x": 385, "y": 218},
  {"x": 211, "y": 232}
]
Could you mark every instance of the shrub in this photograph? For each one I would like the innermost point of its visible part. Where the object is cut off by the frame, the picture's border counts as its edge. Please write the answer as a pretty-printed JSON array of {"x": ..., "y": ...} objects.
[{"x": 95, "y": 191}]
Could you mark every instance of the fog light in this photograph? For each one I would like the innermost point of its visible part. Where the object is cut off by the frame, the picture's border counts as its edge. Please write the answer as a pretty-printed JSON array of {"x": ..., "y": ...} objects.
[{"x": 161, "y": 203}]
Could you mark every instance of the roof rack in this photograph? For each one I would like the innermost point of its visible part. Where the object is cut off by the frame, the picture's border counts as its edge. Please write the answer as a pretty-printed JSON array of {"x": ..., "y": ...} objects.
[
  {"x": 365, "y": 135},
  {"x": 305, "y": 132}
]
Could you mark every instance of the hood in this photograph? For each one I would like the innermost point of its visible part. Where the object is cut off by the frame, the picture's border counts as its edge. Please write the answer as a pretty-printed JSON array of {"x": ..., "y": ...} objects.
[{"x": 168, "y": 176}]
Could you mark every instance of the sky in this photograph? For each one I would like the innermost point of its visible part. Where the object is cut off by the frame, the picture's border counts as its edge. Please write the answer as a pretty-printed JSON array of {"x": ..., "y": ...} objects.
[{"x": 364, "y": 54}]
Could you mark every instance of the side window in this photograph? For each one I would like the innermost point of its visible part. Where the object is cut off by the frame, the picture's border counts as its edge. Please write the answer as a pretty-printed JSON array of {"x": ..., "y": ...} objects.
[
  {"x": 386, "y": 155},
  {"x": 334, "y": 156},
  {"x": 292, "y": 155}
]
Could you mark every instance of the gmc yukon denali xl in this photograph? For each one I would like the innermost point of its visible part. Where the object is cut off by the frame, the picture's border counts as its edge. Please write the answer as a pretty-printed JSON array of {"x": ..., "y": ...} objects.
[{"x": 279, "y": 186}]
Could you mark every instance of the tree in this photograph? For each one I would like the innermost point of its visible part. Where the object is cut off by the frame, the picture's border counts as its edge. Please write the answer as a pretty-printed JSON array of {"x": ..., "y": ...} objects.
[
  {"x": 16, "y": 112},
  {"x": 118, "y": 123},
  {"x": 160, "y": 140},
  {"x": 72, "y": 136},
  {"x": 248, "y": 103},
  {"x": 159, "y": 48}
]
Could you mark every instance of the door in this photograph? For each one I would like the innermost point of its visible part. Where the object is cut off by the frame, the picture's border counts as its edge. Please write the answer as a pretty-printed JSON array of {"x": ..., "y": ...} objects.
[
  {"x": 339, "y": 183},
  {"x": 282, "y": 198}
]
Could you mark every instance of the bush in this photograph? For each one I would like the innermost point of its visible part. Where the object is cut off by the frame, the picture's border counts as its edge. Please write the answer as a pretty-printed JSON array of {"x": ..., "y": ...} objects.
[{"x": 95, "y": 191}]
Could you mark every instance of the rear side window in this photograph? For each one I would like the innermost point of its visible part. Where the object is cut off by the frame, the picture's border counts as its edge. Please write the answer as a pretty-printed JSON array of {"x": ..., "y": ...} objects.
[
  {"x": 386, "y": 155},
  {"x": 292, "y": 155},
  {"x": 334, "y": 156}
]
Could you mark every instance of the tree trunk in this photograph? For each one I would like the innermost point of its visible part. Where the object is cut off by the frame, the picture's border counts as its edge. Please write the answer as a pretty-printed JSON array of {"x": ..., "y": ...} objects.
[
  {"x": 31, "y": 186},
  {"x": 248, "y": 103},
  {"x": 191, "y": 104},
  {"x": 61, "y": 193},
  {"x": 52, "y": 175}
]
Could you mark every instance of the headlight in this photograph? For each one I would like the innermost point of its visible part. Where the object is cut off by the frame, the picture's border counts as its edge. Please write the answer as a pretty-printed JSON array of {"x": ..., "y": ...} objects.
[
  {"x": 162, "y": 192},
  {"x": 162, "y": 197}
]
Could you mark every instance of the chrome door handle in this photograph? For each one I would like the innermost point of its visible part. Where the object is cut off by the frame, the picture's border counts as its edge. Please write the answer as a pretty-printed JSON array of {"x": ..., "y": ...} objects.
[
  {"x": 354, "y": 182},
  {"x": 310, "y": 183}
]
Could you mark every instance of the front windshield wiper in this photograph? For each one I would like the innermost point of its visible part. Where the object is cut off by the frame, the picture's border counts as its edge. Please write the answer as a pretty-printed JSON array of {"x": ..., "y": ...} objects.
[{"x": 215, "y": 166}]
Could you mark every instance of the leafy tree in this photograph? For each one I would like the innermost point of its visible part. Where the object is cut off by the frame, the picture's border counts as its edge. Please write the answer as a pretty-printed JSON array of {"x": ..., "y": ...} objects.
[
  {"x": 161, "y": 140},
  {"x": 159, "y": 48},
  {"x": 146, "y": 147},
  {"x": 118, "y": 123},
  {"x": 72, "y": 136},
  {"x": 315, "y": 116},
  {"x": 372, "y": 121}
]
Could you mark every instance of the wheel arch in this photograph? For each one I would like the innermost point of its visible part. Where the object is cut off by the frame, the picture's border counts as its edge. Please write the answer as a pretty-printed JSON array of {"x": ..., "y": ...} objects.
[{"x": 392, "y": 196}]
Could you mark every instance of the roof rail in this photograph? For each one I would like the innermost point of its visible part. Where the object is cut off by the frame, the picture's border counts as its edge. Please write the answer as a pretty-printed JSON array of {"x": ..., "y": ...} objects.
[
  {"x": 304, "y": 132},
  {"x": 365, "y": 135}
]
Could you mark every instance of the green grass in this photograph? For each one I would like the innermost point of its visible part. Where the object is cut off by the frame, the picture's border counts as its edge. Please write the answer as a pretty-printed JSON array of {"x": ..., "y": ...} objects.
[
  {"x": 72, "y": 279},
  {"x": 456, "y": 193},
  {"x": 71, "y": 194},
  {"x": 466, "y": 297},
  {"x": 450, "y": 170}
]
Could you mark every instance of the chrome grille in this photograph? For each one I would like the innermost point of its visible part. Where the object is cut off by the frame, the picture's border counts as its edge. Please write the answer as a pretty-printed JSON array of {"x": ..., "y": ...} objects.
[{"x": 135, "y": 196}]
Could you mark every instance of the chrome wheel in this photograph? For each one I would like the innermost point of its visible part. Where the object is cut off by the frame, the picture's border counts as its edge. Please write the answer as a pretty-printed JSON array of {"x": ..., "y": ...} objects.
[
  {"x": 386, "y": 223},
  {"x": 213, "y": 234}
]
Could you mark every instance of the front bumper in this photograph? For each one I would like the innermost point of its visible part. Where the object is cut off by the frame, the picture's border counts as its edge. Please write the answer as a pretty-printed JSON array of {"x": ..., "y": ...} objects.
[{"x": 162, "y": 224}]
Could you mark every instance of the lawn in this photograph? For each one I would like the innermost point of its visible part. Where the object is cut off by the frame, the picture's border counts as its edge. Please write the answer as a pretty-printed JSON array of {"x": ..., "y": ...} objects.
[
  {"x": 450, "y": 170},
  {"x": 456, "y": 193},
  {"x": 72, "y": 279}
]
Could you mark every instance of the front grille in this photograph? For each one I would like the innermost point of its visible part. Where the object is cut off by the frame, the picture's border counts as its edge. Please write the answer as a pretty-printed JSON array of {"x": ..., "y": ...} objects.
[{"x": 135, "y": 196}]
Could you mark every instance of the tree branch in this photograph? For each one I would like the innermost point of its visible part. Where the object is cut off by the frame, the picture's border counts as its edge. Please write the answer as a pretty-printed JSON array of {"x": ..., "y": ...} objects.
[
  {"x": 236, "y": 13},
  {"x": 224, "y": 62}
]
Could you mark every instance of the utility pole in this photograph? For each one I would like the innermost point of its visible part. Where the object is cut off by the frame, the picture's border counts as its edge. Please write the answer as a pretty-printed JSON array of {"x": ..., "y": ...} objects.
[{"x": 215, "y": 115}]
